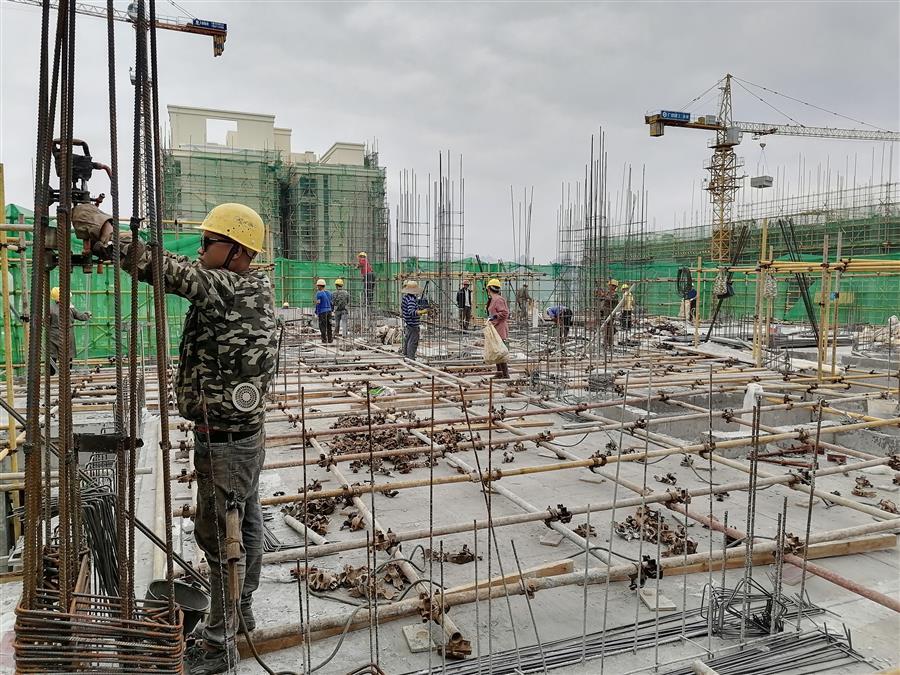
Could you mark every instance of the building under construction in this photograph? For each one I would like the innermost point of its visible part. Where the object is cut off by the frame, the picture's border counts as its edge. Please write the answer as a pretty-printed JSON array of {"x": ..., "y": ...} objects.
[
  {"x": 692, "y": 470},
  {"x": 320, "y": 210}
]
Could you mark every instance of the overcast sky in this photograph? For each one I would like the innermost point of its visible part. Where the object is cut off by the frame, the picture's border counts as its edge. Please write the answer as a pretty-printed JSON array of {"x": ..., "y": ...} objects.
[{"x": 517, "y": 88}]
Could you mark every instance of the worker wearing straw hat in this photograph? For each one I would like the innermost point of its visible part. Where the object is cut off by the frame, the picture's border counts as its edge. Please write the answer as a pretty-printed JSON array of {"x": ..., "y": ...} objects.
[{"x": 411, "y": 313}]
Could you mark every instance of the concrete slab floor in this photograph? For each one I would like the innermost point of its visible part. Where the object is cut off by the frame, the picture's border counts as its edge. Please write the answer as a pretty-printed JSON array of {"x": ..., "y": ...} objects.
[{"x": 499, "y": 625}]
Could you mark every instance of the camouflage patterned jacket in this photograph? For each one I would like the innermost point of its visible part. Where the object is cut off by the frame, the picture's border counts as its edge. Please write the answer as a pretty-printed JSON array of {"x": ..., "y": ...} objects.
[
  {"x": 228, "y": 338},
  {"x": 340, "y": 300}
]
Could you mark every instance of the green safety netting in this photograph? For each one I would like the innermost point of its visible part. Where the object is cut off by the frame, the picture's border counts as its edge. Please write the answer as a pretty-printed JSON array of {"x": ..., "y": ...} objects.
[{"x": 869, "y": 298}]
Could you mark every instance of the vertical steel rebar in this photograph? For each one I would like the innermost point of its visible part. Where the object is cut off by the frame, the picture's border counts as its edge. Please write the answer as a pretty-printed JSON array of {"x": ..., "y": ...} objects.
[
  {"x": 775, "y": 584},
  {"x": 443, "y": 614},
  {"x": 809, "y": 510},
  {"x": 643, "y": 510},
  {"x": 751, "y": 518},
  {"x": 709, "y": 468},
  {"x": 612, "y": 524},
  {"x": 369, "y": 443},
  {"x": 477, "y": 593},
  {"x": 587, "y": 546},
  {"x": 724, "y": 565},
  {"x": 431, "y": 461},
  {"x": 303, "y": 445},
  {"x": 537, "y": 634},
  {"x": 656, "y": 601}
]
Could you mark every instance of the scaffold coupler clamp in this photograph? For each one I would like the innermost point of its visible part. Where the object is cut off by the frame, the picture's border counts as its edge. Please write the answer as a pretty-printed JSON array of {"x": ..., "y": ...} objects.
[
  {"x": 678, "y": 496},
  {"x": 560, "y": 514},
  {"x": 429, "y": 608},
  {"x": 792, "y": 543},
  {"x": 648, "y": 568},
  {"x": 599, "y": 460}
]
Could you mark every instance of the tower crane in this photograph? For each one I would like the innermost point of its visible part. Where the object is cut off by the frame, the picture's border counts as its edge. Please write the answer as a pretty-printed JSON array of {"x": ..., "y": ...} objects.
[
  {"x": 217, "y": 30},
  {"x": 724, "y": 164}
]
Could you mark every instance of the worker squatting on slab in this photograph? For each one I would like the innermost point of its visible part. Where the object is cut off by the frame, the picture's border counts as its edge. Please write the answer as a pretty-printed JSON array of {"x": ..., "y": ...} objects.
[
  {"x": 226, "y": 361},
  {"x": 563, "y": 317}
]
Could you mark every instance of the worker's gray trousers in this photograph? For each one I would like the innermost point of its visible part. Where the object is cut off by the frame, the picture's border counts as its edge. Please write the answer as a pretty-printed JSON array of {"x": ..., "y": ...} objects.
[
  {"x": 411, "y": 342},
  {"x": 369, "y": 280},
  {"x": 228, "y": 472},
  {"x": 340, "y": 321}
]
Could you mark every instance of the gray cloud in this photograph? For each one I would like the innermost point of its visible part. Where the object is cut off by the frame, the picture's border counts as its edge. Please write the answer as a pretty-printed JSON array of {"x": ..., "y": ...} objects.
[{"x": 516, "y": 87}]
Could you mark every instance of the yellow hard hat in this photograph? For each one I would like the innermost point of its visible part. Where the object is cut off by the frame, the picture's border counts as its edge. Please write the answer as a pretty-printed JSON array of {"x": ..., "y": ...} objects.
[
  {"x": 361, "y": 254},
  {"x": 624, "y": 286},
  {"x": 613, "y": 282},
  {"x": 237, "y": 222},
  {"x": 320, "y": 282},
  {"x": 338, "y": 282},
  {"x": 494, "y": 283},
  {"x": 54, "y": 293}
]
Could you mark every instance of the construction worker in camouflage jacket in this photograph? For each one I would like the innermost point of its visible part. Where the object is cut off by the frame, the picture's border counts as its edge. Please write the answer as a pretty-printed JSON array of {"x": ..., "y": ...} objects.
[{"x": 226, "y": 361}]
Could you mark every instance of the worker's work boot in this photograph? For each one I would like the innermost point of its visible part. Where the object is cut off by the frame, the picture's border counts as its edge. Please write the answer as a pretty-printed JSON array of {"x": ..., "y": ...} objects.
[
  {"x": 205, "y": 659},
  {"x": 502, "y": 372}
]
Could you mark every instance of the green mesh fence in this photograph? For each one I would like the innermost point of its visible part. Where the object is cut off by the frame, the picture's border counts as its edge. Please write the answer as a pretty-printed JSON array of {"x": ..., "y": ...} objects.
[{"x": 865, "y": 298}]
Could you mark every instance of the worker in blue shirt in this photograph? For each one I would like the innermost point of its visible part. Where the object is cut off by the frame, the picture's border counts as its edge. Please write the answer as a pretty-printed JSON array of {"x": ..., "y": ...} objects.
[
  {"x": 562, "y": 317},
  {"x": 690, "y": 297},
  {"x": 323, "y": 311}
]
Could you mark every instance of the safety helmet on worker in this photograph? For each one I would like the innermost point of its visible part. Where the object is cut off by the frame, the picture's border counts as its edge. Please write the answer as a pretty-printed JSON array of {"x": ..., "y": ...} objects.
[
  {"x": 625, "y": 287},
  {"x": 362, "y": 254},
  {"x": 613, "y": 282},
  {"x": 338, "y": 282},
  {"x": 54, "y": 294},
  {"x": 239, "y": 223},
  {"x": 321, "y": 282},
  {"x": 494, "y": 283}
]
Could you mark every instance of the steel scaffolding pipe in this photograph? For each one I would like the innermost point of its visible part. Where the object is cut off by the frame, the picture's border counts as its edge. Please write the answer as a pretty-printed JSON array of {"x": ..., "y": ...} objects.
[
  {"x": 498, "y": 474},
  {"x": 551, "y": 514},
  {"x": 280, "y": 637}
]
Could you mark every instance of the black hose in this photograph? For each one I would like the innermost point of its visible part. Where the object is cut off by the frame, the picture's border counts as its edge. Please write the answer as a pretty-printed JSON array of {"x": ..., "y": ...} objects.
[
  {"x": 685, "y": 283},
  {"x": 255, "y": 653}
]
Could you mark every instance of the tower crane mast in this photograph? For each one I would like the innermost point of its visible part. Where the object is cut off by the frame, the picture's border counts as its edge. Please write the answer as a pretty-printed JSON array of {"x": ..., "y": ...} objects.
[{"x": 724, "y": 164}]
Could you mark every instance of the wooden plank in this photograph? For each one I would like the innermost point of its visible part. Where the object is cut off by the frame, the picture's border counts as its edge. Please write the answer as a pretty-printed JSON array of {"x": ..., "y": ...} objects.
[
  {"x": 878, "y": 542},
  {"x": 550, "y": 569},
  {"x": 6, "y": 577}
]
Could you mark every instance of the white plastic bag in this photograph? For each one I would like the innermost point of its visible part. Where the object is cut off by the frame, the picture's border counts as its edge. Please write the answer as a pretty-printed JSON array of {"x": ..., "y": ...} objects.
[{"x": 494, "y": 349}]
